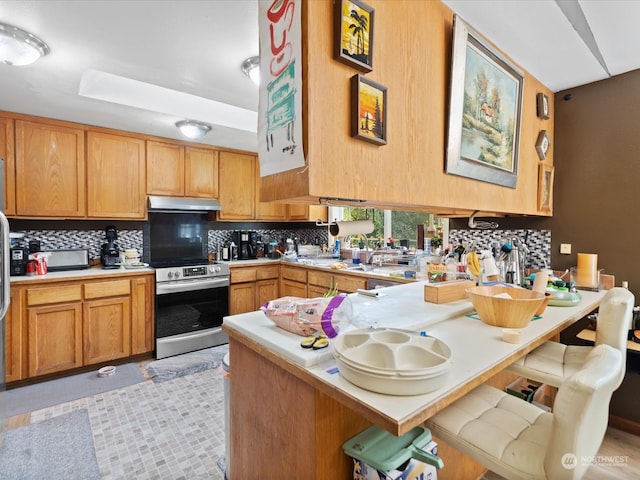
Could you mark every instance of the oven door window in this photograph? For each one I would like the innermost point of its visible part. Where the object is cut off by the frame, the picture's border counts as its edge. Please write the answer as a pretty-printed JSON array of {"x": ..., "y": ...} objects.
[{"x": 184, "y": 312}]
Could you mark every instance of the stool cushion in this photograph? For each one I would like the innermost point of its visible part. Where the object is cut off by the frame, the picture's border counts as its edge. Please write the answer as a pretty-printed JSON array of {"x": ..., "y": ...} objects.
[
  {"x": 511, "y": 432},
  {"x": 551, "y": 362}
]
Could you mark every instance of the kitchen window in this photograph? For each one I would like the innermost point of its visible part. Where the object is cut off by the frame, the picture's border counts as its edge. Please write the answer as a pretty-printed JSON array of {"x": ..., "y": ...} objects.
[{"x": 400, "y": 225}]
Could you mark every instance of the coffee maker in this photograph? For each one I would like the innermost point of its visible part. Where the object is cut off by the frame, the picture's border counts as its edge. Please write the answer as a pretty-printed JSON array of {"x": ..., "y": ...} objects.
[
  {"x": 110, "y": 251},
  {"x": 247, "y": 243},
  {"x": 19, "y": 260}
]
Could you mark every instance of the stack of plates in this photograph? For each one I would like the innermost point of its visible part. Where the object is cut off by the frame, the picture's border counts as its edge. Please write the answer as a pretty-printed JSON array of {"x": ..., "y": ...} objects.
[{"x": 392, "y": 361}]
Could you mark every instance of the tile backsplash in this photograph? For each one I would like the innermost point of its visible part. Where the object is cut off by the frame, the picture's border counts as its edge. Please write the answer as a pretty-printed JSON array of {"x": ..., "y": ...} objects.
[
  {"x": 537, "y": 241},
  {"x": 133, "y": 238}
]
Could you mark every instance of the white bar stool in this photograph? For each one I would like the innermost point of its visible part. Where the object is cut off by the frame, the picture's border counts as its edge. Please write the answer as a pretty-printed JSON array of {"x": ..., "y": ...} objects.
[
  {"x": 552, "y": 362},
  {"x": 518, "y": 440}
]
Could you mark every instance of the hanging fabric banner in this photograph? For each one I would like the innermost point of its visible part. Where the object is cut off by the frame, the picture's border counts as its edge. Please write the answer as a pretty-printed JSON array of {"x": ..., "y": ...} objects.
[{"x": 280, "y": 104}]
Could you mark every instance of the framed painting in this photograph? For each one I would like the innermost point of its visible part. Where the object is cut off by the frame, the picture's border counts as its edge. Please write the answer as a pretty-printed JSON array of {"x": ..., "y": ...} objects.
[
  {"x": 353, "y": 42},
  {"x": 485, "y": 108},
  {"x": 368, "y": 110},
  {"x": 545, "y": 187}
]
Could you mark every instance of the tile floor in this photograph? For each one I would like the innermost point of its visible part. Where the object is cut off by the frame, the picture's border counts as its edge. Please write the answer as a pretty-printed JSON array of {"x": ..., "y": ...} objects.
[
  {"x": 170, "y": 430},
  {"x": 175, "y": 431}
]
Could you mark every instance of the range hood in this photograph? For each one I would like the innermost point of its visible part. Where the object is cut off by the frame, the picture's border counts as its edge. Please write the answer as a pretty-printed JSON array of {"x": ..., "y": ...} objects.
[{"x": 182, "y": 204}]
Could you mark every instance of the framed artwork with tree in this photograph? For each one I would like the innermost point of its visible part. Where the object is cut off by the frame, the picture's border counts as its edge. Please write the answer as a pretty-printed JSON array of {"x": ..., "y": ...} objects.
[
  {"x": 485, "y": 107},
  {"x": 354, "y": 34},
  {"x": 368, "y": 110}
]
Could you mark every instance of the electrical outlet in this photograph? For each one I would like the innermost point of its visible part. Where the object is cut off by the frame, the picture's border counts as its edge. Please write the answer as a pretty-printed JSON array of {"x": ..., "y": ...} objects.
[{"x": 565, "y": 248}]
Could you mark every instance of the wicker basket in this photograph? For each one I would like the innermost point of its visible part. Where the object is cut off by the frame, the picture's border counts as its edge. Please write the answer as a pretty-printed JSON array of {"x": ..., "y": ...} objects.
[{"x": 514, "y": 312}]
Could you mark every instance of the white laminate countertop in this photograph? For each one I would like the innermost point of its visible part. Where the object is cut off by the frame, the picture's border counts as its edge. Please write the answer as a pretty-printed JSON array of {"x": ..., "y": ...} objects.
[
  {"x": 79, "y": 274},
  {"x": 477, "y": 348}
]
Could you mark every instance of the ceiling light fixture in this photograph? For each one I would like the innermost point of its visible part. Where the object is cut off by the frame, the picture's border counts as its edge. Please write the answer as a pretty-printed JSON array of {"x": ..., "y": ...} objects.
[
  {"x": 193, "y": 129},
  {"x": 18, "y": 47},
  {"x": 251, "y": 68}
]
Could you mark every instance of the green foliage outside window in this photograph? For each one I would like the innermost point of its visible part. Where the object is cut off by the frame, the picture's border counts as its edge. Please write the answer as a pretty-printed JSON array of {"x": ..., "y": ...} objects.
[{"x": 404, "y": 225}]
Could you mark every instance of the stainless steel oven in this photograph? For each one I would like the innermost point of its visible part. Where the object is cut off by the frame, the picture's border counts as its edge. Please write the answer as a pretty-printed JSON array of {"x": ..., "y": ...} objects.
[{"x": 191, "y": 302}]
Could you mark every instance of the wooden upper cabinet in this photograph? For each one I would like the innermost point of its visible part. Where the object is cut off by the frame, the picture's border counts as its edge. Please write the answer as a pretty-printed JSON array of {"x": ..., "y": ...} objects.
[
  {"x": 7, "y": 154},
  {"x": 238, "y": 193},
  {"x": 201, "y": 172},
  {"x": 178, "y": 171},
  {"x": 268, "y": 210},
  {"x": 116, "y": 186},
  {"x": 49, "y": 170},
  {"x": 165, "y": 169}
]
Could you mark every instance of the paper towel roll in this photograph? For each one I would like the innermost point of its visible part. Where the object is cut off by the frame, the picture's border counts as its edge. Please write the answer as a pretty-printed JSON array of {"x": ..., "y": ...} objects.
[{"x": 357, "y": 227}]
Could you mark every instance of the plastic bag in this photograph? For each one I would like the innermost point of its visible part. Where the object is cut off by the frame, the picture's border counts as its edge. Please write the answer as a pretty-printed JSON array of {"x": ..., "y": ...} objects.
[{"x": 310, "y": 316}]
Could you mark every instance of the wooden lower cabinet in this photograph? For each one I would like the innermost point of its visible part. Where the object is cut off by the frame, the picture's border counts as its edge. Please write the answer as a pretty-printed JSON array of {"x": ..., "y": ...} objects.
[
  {"x": 321, "y": 282},
  {"x": 252, "y": 286},
  {"x": 106, "y": 327},
  {"x": 54, "y": 327},
  {"x": 293, "y": 281},
  {"x": 54, "y": 338},
  {"x": 142, "y": 312}
]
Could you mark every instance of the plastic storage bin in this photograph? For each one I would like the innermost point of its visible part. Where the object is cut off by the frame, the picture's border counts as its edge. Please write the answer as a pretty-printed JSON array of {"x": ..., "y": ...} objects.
[{"x": 378, "y": 454}]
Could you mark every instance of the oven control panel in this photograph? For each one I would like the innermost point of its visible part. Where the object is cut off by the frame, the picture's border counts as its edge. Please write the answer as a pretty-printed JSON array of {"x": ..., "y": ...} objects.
[{"x": 194, "y": 272}]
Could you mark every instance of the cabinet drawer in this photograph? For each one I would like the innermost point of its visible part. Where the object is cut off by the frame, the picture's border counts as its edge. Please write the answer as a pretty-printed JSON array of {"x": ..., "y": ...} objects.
[
  {"x": 241, "y": 275},
  {"x": 321, "y": 279},
  {"x": 349, "y": 284},
  {"x": 295, "y": 274},
  {"x": 268, "y": 271},
  {"x": 54, "y": 294},
  {"x": 107, "y": 289}
]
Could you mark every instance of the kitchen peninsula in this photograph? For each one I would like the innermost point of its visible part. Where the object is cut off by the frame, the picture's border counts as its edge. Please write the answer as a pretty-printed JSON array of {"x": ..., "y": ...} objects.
[{"x": 290, "y": 412}]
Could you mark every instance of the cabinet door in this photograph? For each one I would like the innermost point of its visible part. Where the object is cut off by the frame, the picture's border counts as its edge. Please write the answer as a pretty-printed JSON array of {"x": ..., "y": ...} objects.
[
  {"x": 266, "y": 290},
  {"x": 50, "y": 170},
  {"x": 106, "y": 328},
  {"x": 165, "y": 169},
  {"x": 242, "y": 298},
  {"x": 7, "y": 153},
  {"x": 15, "y": 341},
  {"x": 142, "y": 308},
  {"x": 315, "y": 291},
  {"x": 55, "y": 338},
  {"x": 293, "y": 289},
  {"x": 115, "y": 176},
  {"x": 201, "y": 172},
  {"x": 237, "y": 186}
]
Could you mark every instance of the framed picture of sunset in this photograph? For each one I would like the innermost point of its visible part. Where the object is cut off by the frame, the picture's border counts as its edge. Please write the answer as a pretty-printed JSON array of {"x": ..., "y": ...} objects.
[{"x": 368, "y": 110}]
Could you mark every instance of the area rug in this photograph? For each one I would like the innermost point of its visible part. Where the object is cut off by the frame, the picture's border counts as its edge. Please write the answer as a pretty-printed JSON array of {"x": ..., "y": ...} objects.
[
  {"x": 53, "y": 392},
  {"x": 187, "y": 363},
  {"x": 58, "y": 448}
]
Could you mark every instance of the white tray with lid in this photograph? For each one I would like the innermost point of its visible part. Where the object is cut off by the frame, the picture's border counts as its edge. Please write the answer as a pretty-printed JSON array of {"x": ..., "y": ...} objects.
[{"x": 392, "y": 361}]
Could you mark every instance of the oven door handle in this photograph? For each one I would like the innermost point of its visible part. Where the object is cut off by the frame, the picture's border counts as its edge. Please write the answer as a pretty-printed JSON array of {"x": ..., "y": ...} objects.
[{"x": 190, "y": 286}]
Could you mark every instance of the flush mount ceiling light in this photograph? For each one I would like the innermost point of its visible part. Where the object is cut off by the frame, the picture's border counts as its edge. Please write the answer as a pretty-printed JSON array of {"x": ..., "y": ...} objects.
[
  {"x": 193, "y": 129},
  {"x": 18, "y": 47},
  {"x": 251, "y": 68}
]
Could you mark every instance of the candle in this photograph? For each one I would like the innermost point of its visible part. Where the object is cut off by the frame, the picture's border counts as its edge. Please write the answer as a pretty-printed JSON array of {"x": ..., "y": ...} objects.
[{"x": 587, "y": 270}]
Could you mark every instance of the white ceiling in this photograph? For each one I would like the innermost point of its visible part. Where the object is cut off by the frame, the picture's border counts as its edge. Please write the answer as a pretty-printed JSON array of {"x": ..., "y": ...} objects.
[{"x": 196, "y": 47}]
